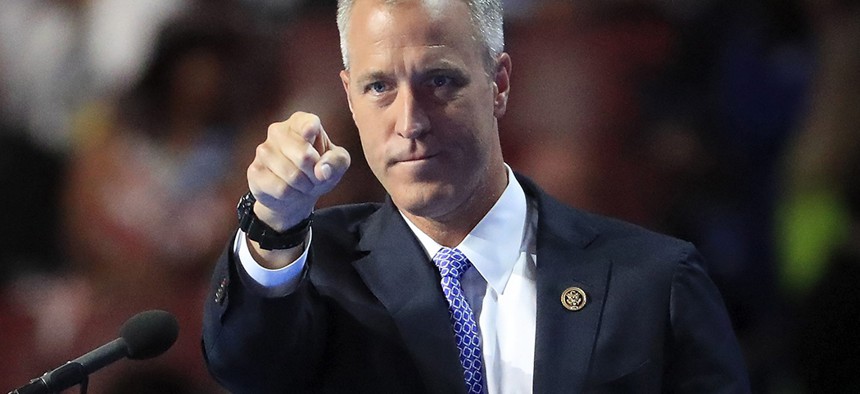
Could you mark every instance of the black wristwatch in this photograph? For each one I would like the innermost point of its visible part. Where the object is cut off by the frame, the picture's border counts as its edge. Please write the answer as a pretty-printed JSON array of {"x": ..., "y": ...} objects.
[{"x": 268, "y": 238}]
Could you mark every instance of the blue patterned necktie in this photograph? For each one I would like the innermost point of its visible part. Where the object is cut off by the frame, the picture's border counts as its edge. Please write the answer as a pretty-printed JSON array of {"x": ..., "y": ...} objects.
[{"x": 452, "y": 264}]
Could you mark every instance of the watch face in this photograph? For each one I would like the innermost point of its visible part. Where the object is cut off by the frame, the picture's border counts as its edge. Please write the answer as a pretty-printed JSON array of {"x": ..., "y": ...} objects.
[{"x": 244, "y": 209}]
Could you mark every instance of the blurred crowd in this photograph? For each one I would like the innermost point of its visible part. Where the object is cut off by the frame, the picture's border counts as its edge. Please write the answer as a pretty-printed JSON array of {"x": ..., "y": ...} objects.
[{"x": 126, "y": 128}]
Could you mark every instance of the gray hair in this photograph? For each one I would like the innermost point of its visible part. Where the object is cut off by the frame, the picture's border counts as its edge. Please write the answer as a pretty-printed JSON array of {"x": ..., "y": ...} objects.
[{"x": 487, "y": 21}]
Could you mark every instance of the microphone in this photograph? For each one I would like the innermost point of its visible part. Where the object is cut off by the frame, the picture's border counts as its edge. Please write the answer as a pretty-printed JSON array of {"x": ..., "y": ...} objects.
[{"x": 145, "y": 335}]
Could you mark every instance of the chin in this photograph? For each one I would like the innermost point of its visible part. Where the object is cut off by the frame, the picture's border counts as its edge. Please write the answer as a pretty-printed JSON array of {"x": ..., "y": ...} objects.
[{"x": 427, "y": 199}]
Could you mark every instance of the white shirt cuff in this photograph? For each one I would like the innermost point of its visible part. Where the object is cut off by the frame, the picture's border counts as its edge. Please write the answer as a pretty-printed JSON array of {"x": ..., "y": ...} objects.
[{"x": 280, "y": 281}]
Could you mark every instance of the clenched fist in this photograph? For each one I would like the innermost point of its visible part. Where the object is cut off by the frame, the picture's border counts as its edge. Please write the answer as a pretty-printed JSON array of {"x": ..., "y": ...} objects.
[{"x": 296, "y": 165}]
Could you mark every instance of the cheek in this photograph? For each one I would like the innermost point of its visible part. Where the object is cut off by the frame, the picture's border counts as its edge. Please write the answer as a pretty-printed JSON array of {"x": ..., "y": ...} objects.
[
  {"x": 466, "y": 130},
  {"x": 374, "y": 130},
  {"x": 373, "y": 147}
]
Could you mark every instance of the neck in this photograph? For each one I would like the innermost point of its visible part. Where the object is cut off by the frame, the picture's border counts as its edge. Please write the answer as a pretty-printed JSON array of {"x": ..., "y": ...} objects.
[{"x": 450, "y": 230}]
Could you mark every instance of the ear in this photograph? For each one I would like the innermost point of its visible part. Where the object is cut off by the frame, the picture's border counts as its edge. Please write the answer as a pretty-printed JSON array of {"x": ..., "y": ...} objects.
[
  {"x": 344, "y": 79},
  {"x": 501, "y": 85}
]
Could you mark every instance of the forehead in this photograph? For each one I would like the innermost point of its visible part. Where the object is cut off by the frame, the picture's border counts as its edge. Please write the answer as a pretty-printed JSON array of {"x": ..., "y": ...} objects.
[{"x": 385, "y": 24}]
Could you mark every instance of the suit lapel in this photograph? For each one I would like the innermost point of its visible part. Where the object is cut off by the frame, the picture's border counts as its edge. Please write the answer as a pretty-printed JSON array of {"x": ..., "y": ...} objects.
[
  {"x": 398, "y": 272},
  {"x": 565, "y": 339}
]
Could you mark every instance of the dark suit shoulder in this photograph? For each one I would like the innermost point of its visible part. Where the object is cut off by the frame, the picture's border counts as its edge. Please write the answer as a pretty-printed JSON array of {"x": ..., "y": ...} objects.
[
  {"x": 587, "y": 227},
  {"x": 625, "y": 244},
  {"x": 341, "y": 223},
  {"x": 628, "y": 244},
  {"x": 337, "y": 232},
  {"x": 344, "y": 214},
  {"x": 612, "y": 229}
]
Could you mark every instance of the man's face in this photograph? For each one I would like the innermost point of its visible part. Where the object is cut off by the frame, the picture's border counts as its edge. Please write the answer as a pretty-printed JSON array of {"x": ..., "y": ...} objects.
[{"x": 425, "y": 108}]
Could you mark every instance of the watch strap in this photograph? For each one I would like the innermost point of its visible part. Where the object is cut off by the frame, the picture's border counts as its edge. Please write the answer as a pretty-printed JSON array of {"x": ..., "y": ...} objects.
[{"x": 265, "y": 235}]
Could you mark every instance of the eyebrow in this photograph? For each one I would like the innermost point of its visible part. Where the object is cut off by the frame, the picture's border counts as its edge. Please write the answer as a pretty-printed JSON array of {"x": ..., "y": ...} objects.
[
  {"x": 442, "y": 66},
  {"x": 456, "y": 71},
  {"x": 371, "y": 77}
]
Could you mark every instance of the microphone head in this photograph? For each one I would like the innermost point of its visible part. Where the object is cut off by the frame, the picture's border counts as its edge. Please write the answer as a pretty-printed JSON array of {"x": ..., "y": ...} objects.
[{"x": 148, "y": 334}]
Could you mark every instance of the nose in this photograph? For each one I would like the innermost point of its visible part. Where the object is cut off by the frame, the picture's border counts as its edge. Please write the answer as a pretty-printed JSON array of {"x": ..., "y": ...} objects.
[{"x": 412, "y": 121}]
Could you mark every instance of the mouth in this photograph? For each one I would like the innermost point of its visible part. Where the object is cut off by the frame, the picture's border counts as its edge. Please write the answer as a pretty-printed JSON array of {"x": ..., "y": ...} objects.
[{"x": 413, "y": 158}]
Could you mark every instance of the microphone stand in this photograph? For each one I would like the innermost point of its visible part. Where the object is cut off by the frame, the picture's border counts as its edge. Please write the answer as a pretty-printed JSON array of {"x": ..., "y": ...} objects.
[
  {"x": 64, "y": 376},
  {"x": 145, "y": 335}
]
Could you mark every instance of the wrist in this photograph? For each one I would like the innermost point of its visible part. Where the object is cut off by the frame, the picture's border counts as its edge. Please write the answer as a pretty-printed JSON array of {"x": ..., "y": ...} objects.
[
  {"x": 274, "y": 259},
  {"x": 269, "y": 237},
  {"x": 277, "y": 221}
]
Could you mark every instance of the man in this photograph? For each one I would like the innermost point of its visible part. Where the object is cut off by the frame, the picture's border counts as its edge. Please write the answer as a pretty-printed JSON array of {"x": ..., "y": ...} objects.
[{"x": 468, "y": 278}]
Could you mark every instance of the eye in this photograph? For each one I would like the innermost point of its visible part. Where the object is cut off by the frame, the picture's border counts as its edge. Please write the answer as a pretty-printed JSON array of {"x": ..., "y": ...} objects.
[
  {"x": 440, "y": 81},
  {"x": 376, "y": 87}
]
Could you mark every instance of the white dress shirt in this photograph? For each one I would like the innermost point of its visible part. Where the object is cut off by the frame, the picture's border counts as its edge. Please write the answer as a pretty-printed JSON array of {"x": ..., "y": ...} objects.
[{"x": 500, "y": 286}]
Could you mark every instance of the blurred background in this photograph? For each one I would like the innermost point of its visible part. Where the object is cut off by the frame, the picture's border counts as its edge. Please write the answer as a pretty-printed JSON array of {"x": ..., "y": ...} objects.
[{"x": 127, "y": 127}]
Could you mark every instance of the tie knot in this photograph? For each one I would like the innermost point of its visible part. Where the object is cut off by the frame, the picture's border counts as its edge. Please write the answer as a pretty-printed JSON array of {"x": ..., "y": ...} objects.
[{"x": 451, "y": 262}]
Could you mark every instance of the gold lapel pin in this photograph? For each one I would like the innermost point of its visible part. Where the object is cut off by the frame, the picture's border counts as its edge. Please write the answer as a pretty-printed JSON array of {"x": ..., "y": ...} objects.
[{"x": 573, "y": 298}]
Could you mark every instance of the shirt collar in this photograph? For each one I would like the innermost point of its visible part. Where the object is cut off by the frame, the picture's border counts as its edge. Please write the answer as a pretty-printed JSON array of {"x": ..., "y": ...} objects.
[{"x": 494, "y": 245}]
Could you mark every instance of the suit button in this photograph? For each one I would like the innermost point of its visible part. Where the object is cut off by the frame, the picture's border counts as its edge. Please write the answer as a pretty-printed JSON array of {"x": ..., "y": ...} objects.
[{"x": 221, "y": 292}]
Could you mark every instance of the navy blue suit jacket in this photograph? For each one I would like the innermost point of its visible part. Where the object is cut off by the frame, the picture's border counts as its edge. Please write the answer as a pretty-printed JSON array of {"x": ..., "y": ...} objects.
[{"x": 369, "y": 315}]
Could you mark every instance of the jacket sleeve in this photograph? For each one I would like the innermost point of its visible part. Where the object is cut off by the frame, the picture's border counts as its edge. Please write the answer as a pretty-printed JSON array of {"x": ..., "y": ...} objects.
[
  {"x": 253, "y": 343},
  {"x": 703, "y": 355}
]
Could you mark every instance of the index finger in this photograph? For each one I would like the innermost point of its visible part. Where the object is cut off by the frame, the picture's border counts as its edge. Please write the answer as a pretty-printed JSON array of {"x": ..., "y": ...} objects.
[
  {"x": 308, "y": 127},
  {"x": 322, "y": 143}
]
